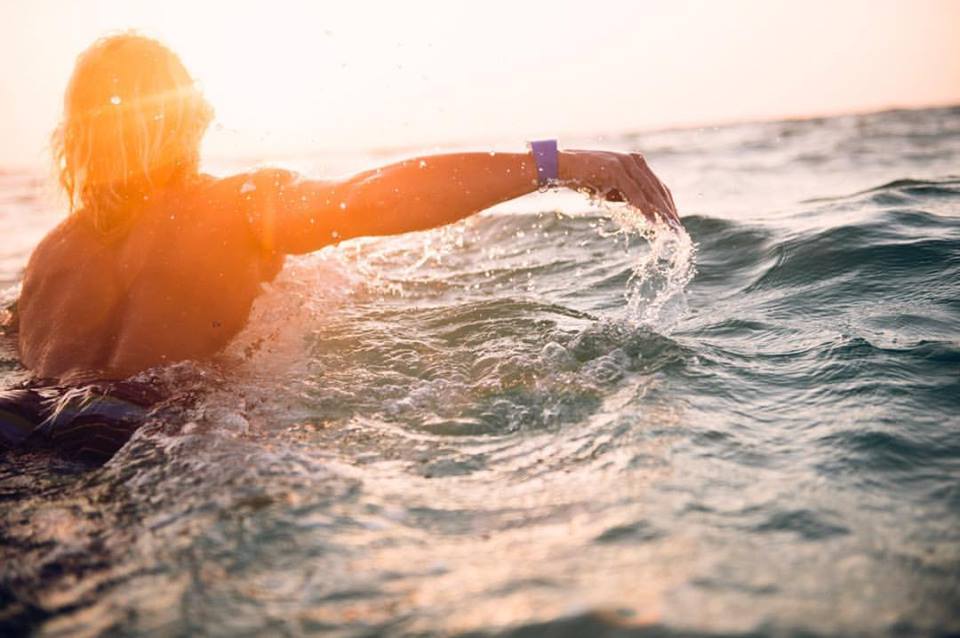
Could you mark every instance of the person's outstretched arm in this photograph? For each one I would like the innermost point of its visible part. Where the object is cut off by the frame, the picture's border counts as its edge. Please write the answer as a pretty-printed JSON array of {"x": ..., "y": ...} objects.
[{"x": 298, "y": 216}]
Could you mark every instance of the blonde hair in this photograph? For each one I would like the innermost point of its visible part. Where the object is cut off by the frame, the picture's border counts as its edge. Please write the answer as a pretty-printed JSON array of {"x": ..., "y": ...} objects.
[{"x": 132, "y": 123}]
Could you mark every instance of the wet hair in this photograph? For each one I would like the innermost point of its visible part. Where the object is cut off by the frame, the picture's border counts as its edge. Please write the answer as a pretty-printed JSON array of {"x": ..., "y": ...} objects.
[{"x": 133, "y": 120}]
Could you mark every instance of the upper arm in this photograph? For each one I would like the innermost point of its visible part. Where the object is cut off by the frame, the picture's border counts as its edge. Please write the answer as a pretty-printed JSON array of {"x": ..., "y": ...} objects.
[{"x": 290, "y": 214}]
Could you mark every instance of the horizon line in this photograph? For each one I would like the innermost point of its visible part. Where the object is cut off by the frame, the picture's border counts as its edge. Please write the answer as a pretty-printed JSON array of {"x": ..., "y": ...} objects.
[{"x": 464, "y": 143}]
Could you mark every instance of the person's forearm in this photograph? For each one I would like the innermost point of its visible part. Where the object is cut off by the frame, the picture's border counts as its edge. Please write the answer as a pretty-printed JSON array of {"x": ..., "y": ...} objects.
[{"x": 423, "y": 193}]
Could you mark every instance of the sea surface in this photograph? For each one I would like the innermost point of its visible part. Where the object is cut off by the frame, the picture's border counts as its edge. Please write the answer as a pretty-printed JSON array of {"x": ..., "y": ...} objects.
[{"x": 548, "y": 420}]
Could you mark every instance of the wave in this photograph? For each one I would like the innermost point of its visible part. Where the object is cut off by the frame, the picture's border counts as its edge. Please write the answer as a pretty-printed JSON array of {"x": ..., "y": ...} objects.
[
  {"x": 539, "y": 423},
  {"x": 906, "y": 188}
]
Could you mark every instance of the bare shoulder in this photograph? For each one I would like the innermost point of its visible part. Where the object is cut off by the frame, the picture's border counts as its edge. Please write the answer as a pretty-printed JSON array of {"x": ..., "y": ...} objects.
[
  {"x": 70, "y": 251},
  {"x": 65, "y": 240},
  {"x": 66, "y": 229}
]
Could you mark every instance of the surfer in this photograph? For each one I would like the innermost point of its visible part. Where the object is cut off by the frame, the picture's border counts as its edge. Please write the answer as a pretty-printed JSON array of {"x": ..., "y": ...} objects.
[{"x": 158, "y": 263}]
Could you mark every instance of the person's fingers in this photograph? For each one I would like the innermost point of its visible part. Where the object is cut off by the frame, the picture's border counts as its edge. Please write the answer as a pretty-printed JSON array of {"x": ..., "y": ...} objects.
[
  {"x": 633, "y": 192},
  {"x": 648, "y": 173},
  {"x": 653, "y": 183},
  {"x": 674, "y": 214},
  {"x": 670, "y": 195},
  {"x": 669, "y": 208},
  {"x": 640, "y": 174}
]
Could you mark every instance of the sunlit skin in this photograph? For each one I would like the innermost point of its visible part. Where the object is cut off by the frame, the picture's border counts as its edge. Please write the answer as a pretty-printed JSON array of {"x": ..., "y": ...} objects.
[{"x": 158, "y": 263}]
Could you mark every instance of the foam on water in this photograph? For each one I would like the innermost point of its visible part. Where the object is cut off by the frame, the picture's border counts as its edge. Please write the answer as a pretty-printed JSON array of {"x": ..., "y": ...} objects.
[{"x": 656, "y": 290}]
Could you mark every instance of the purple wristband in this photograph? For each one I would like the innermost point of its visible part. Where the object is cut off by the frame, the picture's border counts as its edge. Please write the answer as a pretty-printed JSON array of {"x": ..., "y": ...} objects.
[{"x": 546, "y": 156}]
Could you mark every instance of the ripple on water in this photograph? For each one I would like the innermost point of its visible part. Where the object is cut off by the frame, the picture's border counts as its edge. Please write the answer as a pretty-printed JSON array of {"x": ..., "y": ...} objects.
[{"x": 475, "y": 433}]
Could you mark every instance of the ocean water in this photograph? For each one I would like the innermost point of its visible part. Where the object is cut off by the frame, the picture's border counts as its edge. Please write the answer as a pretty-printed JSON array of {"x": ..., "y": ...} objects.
[{"x": 543, "y": 422}]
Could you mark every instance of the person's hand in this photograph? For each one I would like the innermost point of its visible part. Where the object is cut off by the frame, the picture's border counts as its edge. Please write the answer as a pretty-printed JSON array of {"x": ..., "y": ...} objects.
[{"x": 619, "y": 177}]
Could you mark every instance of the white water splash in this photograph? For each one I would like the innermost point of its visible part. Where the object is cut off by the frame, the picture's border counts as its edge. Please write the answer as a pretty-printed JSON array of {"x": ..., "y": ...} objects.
[
  {"x": 656, "y": 291},
  {"x": 271, "y": 345}
]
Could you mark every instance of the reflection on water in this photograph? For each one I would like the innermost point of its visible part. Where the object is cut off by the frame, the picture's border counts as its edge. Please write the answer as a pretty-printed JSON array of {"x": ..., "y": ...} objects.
[{"x": 532, "y": 424}]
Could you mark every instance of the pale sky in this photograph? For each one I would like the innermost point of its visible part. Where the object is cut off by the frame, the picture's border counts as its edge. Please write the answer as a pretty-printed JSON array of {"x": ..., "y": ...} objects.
[{"x": 297, "y": 76}]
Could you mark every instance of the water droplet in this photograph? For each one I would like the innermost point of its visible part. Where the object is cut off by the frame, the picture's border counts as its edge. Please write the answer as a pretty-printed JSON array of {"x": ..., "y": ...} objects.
[
  {"x": 343, "y": 205},
  {"x": 115, "y": 99},
  {"x": 423, "y": 163}
]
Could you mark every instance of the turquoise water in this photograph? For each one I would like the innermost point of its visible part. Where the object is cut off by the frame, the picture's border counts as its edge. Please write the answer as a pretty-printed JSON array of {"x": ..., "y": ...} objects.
[{"x": 532, "y": 424}]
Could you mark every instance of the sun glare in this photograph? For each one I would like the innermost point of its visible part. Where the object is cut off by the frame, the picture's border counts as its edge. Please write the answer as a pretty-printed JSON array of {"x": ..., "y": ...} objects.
[{"x": 336, "y": 76}]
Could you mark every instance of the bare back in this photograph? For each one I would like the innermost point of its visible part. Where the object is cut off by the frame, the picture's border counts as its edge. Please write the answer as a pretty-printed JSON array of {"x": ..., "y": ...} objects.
[{"x": 177, "y": 285}]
